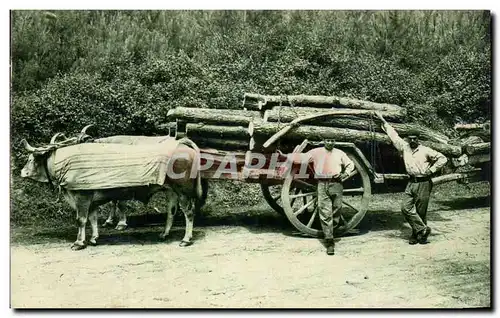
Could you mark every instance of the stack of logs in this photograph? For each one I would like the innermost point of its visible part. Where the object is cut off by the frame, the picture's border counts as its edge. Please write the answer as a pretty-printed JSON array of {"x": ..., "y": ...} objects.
[
  {"x": 262, "y": 116},
  {"x": 475, "y": 140}
]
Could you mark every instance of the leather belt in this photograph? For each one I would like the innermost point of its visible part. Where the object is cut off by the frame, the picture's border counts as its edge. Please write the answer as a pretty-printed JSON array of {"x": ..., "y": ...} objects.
[{"x": 420, "y": 179}]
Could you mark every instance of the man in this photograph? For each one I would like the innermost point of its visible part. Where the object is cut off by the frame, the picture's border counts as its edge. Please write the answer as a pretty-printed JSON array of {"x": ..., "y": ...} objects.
[
  {"x": 421, "y": 164},
  {"x": 331, "y": 166}
]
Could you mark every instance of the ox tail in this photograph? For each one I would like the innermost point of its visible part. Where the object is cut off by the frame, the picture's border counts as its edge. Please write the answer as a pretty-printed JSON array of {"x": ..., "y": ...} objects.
[{"x": 188, "y": 142}]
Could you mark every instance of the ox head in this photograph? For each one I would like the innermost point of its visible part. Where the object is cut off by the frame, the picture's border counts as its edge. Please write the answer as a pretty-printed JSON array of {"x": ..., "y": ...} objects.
[{"x": 35, "y": 167}]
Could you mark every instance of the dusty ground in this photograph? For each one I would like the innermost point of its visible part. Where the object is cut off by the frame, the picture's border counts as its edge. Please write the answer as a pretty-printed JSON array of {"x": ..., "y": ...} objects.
[{"x": 253, "y": 258}]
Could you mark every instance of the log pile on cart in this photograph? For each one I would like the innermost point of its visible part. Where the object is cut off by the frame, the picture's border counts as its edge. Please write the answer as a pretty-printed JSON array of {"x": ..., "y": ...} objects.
[{"x": 265, "y": 124}]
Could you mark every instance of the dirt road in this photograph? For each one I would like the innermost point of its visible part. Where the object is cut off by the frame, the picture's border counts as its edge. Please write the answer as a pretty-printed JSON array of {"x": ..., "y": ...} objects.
[{"x": 254, "y": 259}]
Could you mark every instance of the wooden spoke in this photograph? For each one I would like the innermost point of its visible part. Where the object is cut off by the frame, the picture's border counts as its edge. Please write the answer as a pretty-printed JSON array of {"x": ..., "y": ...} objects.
[
  {"x": 304, "y": 201},
  {"x": 311, "y": 220},
  {"x": 297, "y": 190},
  {"x": 342, "y": 219},
  {"x": 360, "y": 190},
  {"x": 299, "y": 211},
  {"x": 293, "y": 196},
  {"x": 350, "y": 205},
  {"x": 352, "y": 174},
  {"x": 307, "y": 185}
]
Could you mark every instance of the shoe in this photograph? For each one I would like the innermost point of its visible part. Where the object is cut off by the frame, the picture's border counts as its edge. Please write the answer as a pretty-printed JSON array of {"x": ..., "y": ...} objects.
[
  {"x": 330, "y": 250},
  {"x": 422, "y": 237},
  {"x": 413, "y": 239},
  {"x": 330, "y": 247}
]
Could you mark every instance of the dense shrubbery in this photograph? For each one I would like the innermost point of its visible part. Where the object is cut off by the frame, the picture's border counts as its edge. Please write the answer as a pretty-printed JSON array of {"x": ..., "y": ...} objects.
[{"x": 123, "y": 71}]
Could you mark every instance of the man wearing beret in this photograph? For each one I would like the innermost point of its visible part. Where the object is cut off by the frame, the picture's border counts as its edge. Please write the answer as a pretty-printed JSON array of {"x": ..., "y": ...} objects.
[{"x": 421, "y": 164}]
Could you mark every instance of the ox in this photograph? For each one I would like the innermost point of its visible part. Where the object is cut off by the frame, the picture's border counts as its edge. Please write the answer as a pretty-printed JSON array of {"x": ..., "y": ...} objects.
[
  {"x": 119, "y": 208},
  {"x": 184, "y": 190}
]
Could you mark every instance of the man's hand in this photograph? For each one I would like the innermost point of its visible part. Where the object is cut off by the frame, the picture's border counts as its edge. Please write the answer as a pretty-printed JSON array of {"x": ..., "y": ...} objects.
[
  {"x": 428, "y": 172},
  {"x": 343, "y": 176}
]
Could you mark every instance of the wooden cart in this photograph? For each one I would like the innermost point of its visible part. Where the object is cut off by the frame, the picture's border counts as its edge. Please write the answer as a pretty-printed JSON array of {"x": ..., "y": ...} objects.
[{"x": 260, "y": 129}]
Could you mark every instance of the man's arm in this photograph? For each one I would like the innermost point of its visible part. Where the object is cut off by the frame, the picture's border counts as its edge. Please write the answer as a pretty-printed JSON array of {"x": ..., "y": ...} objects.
[
  {"x": 398, "y": 142},
  {"x": 438, "y": 159},
  {"x": 347, "y": 164}
]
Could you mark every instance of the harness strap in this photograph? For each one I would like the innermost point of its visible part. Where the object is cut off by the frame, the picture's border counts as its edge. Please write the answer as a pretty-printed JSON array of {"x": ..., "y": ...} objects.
[{"x": 46, "y": 168}]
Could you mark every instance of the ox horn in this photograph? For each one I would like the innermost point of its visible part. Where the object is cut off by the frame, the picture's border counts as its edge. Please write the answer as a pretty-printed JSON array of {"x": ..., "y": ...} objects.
[
  {"x": 84, "y": 130},
  {"x": 54, "y": 138},
  {"x": 27, "y": 146}
]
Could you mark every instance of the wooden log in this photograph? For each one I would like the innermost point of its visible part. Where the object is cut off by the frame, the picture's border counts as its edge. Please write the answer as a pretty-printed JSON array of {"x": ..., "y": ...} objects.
[
  {"x": 484, "y": 147},
  {"x": 470, "y": 140},
  {"x": 367, "y": 124},
  {"x": 213, "y": 116},
  {"x": 466, "y": 176},
  {"x": 448, "y": 178},
  {"x": 481, "y": 158},
  {"x": 395, "y": 176},
  {"x": 288, "y": 114},
  {"x": 318, "y": 133},
  {"x": 221, "y": 144},
  {"x": 485, "y": 126},
  {"x": 221, "y": 132},
  {"x": 325, "y": 101},
  {"x": 485, "y": 135}
]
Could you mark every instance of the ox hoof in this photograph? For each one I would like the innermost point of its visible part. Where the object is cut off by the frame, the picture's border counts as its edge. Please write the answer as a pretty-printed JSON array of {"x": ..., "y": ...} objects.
[
  {"x": 163, "y": 236},
  {"x": 185, "y": 243},
  {"x": 93, "y": 242},
  {"x": 120, "y": 227},
  {"x": 107, "y": 224},
  {"x": 78, "y": 246}
]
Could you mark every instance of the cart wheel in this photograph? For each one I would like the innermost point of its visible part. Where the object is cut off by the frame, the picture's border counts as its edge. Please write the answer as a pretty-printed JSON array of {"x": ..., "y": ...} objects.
[
  {"x": 272, "y": 194},
  {"x": 299, "y": 199}
]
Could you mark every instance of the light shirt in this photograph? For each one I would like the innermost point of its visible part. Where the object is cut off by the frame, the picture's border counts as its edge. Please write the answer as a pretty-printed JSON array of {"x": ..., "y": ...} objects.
[
  {"x": 419, "y": 161},
  {"x": 327, "y": 164}
]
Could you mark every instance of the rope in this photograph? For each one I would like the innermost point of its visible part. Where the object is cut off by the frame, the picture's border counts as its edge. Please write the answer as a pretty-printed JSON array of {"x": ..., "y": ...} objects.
[
  {"x": 373, "y": 144},
  {"x": 278, "y": 144},
  {"x": 375, "y": 149}
]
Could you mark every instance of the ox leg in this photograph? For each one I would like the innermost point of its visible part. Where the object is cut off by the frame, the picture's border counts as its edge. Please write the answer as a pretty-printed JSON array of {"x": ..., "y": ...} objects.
[
  {"x": 111, "y": 214},
  {"x": 122, "y": 214},
  {"x": 171, "y": 205},
  {"x": 82, "y": 204},
  {"x": 189, "y": 215},
  {"x": 95, "y": 227}
]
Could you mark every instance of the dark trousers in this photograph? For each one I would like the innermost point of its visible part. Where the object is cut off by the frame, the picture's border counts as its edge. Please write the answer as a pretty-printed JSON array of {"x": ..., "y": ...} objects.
[
  {"x": 416, "y": 195},
  {"x": 329, "y": 205}
]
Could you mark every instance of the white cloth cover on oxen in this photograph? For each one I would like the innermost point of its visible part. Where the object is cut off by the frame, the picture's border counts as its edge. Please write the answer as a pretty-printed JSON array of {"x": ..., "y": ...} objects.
[
  {"x": 94, "y": 166},
  {"x": 134, "y": 140}
]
